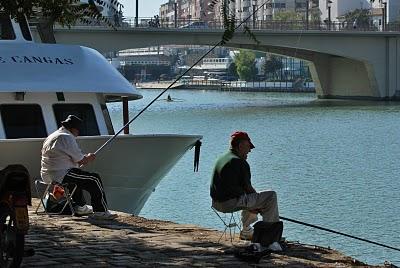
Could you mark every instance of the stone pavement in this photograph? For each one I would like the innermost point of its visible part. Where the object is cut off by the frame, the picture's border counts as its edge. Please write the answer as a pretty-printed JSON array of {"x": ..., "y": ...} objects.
[{"x": 130, "y": 241}]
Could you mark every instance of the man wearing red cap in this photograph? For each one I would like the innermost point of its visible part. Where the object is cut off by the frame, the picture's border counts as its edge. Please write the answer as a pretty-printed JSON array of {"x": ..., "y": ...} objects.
[{"x": 231, "y": 188}]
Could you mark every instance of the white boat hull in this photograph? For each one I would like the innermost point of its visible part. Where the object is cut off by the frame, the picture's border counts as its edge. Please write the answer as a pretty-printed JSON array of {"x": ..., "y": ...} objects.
[{"x": 130, "y": 167}]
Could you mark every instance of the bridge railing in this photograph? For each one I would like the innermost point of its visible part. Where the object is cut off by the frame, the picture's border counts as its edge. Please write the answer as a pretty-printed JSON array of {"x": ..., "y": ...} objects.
[
  {"x": 266, "y": 25},
  {"x": 274, "y": 25}
]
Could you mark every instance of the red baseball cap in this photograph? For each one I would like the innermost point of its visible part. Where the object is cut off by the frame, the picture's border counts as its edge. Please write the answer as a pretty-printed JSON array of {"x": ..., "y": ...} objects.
[{"x": 241, "y": 135}]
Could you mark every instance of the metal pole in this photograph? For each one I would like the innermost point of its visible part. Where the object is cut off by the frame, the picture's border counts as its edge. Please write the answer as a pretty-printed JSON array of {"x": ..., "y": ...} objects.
[
  {"x": 176, "y": 14},
  {"x": 384, "y": 15},
  {"x": 307, "y": 15},
  {"x": 137, "y": 14},
  {"x": 254, "y": 16},
  {"x": 339, "y": 233},
  {"x": 329, "y": 17},
  {"x": 125, "y": 114},
  {"x": 165, "y": 90}
]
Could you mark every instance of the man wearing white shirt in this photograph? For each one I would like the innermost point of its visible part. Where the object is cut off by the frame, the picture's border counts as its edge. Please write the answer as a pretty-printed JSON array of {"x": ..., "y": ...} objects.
[{"x": 61, "y": 159}]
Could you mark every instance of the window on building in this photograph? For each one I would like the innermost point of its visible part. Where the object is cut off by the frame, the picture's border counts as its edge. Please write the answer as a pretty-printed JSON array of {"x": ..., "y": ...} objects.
[
  {"x": 83, "y": 111},
  {"x": 279, "y": 5},
  {"x": 23, "y": 121},
  {"x": 301, "y": 5}
]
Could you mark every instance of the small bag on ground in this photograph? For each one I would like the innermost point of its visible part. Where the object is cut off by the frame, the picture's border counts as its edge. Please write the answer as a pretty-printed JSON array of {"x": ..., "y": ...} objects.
[
  {"x": 250, "y": 253},
  {"x": 54, "y": 205},
  {"x": 267, "y": 233}
]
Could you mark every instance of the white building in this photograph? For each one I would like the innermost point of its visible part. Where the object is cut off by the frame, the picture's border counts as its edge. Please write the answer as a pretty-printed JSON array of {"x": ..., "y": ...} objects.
[
  {"x": 391, "y": 8},
  {"x": 338, "y": 8},
  {"x": 265, "y": 11}
]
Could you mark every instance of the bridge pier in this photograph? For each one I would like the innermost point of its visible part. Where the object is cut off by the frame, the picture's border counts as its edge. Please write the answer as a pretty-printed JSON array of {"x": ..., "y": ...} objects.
[
  {"x": 338, "y": 77},
  {"x": 366, "y": 72},
  {"x": 375, "y": 77}
]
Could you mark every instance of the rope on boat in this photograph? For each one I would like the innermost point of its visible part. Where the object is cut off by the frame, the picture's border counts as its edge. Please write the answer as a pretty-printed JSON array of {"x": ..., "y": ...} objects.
[
  {"x": 175, "y": 81},
  {"x": 196, "y": 156},
  {"x": 339, "y": 233}
]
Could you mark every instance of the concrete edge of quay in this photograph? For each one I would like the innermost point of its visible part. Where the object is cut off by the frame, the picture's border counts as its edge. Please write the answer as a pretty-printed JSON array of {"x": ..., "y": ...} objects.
[
  {"x": 132, "y": 241},
  {"x": 179, "y": 85}
]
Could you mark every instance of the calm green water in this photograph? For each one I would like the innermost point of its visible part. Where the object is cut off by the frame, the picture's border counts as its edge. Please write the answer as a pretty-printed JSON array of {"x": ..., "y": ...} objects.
[{"x": 333, "y": 163}]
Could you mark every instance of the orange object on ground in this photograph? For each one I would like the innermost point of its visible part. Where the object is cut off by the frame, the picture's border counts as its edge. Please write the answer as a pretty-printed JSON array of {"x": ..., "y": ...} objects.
[{"x": 58, "y": 191}]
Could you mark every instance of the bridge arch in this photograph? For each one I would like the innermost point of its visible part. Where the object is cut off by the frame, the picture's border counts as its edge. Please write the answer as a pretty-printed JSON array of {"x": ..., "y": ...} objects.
[{"x": 356, "y": 65}]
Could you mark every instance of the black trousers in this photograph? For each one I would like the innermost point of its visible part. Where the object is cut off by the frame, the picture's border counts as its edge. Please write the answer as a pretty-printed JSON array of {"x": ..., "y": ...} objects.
[{"x": 89, "y": 182}]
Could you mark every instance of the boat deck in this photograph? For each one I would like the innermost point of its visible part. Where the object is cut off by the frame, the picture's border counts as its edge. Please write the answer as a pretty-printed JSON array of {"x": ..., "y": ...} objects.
[{"x": 128, "y": 241}]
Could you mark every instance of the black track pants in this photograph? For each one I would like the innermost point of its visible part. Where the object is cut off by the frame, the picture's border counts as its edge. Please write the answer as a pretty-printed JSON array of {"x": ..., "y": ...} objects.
[{"x": 89, "y": 182}]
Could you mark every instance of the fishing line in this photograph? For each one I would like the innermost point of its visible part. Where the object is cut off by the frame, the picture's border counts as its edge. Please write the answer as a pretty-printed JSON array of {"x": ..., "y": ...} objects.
[
  {"x": 189, "y": 69},
  {"x": 339, "y": 233},
  {"x": 176, "y": 80}
]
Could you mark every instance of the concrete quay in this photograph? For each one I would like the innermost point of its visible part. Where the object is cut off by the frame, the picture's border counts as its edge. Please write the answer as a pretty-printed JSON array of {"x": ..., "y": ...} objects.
[{"x": 130, "y": 241}]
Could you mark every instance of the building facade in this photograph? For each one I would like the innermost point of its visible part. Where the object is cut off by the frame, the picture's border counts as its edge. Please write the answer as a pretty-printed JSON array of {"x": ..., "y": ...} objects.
[
  {"x": 380, "y": 10},
  {"x": 186, "y": 10},
  {"x": 266, "y": 11},
  {"x": 385, "y": 11},
  {"x": 242, "y": 9}
]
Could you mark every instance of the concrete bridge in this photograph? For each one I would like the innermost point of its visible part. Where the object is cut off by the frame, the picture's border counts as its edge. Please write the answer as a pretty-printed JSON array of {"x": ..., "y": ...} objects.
[{"x": 343, "y": 64}]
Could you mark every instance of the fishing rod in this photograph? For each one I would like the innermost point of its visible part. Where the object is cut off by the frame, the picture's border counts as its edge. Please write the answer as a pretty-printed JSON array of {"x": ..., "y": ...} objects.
[
  {"x": 339, "y": 233},
  {"x": 176, "y": 80}
]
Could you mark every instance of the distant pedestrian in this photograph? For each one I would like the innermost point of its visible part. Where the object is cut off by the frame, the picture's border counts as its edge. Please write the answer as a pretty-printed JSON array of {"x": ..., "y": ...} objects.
[{"x": 355, "y": 24}]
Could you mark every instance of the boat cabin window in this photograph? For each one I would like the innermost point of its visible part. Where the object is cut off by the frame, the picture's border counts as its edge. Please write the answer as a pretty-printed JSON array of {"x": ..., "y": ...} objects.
[
  {"x": 83, "y": 111},
  {"x": 23, "y": 121},
  {"x": 6, "y": 29}
]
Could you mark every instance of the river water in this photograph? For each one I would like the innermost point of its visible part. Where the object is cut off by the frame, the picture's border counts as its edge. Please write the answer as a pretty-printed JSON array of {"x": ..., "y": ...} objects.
[{"x": 333, "y": 163}]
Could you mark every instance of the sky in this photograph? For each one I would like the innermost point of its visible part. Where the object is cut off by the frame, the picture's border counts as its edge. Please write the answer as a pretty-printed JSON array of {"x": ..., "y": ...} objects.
[{"x": 147, "y": 8}]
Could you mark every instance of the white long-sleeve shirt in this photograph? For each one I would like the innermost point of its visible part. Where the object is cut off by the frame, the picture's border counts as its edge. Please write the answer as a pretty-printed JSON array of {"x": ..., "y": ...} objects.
[{"x": 60, "y": 153}]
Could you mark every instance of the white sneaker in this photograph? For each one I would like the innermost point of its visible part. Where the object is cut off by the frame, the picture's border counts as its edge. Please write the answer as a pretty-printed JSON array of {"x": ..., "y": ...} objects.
[
  {"x": 246, "y": 234},
  {"x": 104, "y": 215},
  {"x": 275, "y": 247},
  {"x": 83, "y": 210}
]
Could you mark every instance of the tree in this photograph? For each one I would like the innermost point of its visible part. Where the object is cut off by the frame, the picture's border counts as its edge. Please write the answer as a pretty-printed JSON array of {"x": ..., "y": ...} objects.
[
  {"x": 228, "y": 12},
  {"x": 286, "y": 16},
  {"x": 245, "y": 65},
  {"x": 64, "y": 12},
  {"x": 232, "y": 72},
  {"x": 358, "y": 18},
  {"x": 315, "y": 12},
  {"x": 272, "y": 65}
]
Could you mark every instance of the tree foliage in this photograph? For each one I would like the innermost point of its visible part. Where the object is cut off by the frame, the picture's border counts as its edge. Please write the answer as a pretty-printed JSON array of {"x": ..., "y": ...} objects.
[
  {"x": 230, "y": 23},
  {"x": 64, "y": 12},
  {"x": 232, "y": 72},
  {"x": 245, "y": 65},
  {"x": 357, "y": 18},
  {"x": 288, "y": 16},
  {"x": 272, "y": 65}
]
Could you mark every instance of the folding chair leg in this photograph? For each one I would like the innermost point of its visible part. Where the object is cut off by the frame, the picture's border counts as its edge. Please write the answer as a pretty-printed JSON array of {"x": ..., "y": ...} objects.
[
  {"x": 224, "y": 233},
  {"x": 68, "y": 196},
  {"x": 42, "y": 197},
  {"x": 231, "y": 224}
]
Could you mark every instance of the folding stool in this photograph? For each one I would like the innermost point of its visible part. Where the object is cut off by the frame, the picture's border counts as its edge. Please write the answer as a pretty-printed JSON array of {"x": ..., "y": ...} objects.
[
  {"x": 40, "y": 184},
  {"x": 230, "y": 222}
]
